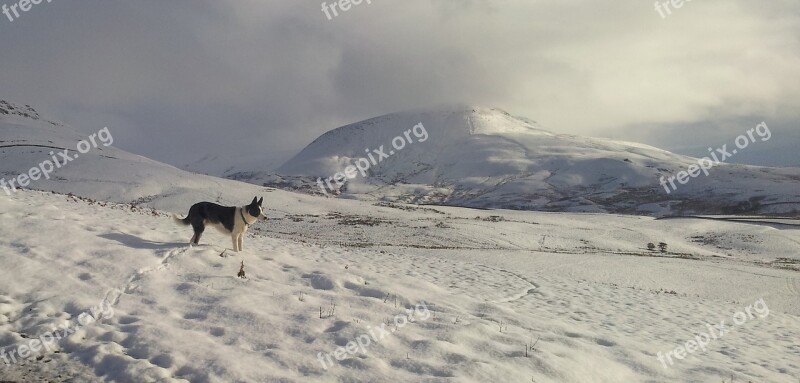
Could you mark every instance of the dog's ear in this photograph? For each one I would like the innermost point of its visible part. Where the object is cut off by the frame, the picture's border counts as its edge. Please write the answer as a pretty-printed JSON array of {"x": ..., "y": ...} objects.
[
  {"x": 260, "y": 200},
  {"x": 255, "y": 201}
]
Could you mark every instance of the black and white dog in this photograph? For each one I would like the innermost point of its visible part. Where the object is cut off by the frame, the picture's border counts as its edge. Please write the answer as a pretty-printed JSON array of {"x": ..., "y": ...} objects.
[{"x": 228, "y": 219}]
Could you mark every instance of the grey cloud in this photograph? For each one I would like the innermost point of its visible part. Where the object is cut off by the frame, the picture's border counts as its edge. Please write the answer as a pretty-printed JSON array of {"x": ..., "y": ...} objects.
[{"x": 175, "y": 78}]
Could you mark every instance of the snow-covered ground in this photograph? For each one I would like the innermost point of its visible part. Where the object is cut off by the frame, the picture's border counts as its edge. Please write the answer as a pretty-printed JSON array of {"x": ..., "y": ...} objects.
[{"x": 482, "y": 287}]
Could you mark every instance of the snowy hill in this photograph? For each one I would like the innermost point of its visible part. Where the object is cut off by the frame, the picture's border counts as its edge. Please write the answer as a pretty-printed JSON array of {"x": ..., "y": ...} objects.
[
  {"x": 104, "y": 172},
  {"x": 487, "y": 158}
]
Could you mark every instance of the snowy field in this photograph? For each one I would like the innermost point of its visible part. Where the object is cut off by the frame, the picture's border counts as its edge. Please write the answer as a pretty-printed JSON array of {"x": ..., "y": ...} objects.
[{"x": 399, "y": 293}]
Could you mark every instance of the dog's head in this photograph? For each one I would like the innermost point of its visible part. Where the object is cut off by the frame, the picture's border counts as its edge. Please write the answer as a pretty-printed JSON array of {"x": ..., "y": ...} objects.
[{"x": 255, "y": 210}]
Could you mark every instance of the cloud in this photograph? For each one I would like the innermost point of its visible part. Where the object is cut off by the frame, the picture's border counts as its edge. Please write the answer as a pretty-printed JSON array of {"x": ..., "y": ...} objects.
[{"x": 248, "y": 75}]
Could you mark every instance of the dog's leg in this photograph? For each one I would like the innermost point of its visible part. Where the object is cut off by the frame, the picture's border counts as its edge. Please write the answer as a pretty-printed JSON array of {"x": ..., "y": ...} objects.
[
  {"x": 241, "y": 242},
  {"x": 235, "y": 243},
  {"x": 198, "y": 231}
]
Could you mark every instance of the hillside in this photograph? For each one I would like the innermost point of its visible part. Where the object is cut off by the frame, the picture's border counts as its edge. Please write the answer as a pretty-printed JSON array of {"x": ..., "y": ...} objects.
[{"x": 104, "y": 172}]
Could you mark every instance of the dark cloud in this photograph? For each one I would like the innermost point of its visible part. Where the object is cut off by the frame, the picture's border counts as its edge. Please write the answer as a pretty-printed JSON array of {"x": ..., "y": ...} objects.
[{"x": 176, "y": 79}]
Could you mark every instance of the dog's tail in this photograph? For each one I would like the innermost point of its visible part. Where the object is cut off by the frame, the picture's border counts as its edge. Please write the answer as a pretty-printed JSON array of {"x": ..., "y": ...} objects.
[{"x": 179, "y": 220}]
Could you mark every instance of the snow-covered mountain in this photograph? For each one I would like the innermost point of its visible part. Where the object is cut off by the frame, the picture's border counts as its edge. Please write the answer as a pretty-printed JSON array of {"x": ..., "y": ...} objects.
[{"x": 486, "y": 158}]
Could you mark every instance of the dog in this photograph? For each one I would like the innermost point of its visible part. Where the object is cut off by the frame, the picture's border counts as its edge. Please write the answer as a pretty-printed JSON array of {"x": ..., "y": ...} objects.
[{"x": 227, "y": 219}]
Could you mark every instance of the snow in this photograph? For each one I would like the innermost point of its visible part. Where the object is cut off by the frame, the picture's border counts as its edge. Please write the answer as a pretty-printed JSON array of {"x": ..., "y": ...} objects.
[
  {"x": 598, "y": 302},
  {"x": 601, "y": 305}
]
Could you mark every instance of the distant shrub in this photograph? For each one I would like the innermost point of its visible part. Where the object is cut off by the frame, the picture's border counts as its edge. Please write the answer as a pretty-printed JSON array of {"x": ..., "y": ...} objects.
[{"x": 491, "y": 218}]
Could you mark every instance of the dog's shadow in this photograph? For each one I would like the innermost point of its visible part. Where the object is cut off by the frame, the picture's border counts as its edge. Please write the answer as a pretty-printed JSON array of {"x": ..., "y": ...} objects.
[{"x": 139, "y": 243}]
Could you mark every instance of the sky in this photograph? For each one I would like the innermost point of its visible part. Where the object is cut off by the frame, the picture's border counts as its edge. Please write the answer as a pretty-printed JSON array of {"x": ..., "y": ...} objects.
[{"x": 177, "y": 80}]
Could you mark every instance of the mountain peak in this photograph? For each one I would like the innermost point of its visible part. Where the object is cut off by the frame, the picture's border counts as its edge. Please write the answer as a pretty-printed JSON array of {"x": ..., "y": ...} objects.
[{"x": 448, "y": 122}]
